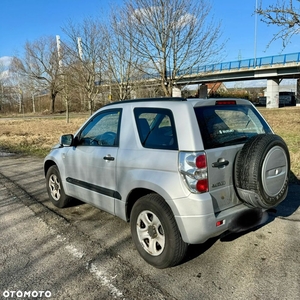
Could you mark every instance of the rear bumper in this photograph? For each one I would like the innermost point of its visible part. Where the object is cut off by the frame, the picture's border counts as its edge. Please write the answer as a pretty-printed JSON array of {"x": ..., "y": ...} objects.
[{"x": 197, "y": 229}]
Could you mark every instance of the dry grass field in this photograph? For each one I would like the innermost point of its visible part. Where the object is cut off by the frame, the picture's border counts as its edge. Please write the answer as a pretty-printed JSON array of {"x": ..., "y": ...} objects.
[
  {"x": 36, "y": 135},
  {"x": 33, "y": 135},
  {"x": 286, "y": 123}
]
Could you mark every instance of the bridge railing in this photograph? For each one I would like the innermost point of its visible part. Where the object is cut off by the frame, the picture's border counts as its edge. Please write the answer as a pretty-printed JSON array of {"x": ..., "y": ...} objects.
[{"x": 244, "y": 64}]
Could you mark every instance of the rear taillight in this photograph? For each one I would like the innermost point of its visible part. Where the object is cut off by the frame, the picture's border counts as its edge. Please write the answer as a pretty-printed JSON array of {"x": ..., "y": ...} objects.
[{"x": 193, "y": 169}]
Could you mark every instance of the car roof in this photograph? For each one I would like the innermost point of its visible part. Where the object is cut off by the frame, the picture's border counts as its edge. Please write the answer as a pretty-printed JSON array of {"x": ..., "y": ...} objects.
[
  {"x": 167, "y": 99},
  {"x": 192, "y": 101}
]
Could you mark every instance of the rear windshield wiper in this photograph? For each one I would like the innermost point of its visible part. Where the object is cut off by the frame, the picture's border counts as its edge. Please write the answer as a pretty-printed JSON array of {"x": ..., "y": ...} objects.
[{"x": 235, "y": 139}]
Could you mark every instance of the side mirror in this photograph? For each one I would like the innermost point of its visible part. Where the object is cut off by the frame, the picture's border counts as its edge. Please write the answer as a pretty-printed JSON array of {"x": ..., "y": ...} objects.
[{"x": 66, "y": 140}]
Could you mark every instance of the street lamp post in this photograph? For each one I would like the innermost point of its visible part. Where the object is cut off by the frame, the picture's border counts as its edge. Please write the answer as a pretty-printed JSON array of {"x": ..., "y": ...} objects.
[{"x": 255, "y": 33}]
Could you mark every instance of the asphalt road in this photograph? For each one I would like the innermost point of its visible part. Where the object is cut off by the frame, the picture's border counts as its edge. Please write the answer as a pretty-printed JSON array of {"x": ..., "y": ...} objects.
[{"x": 83, "y": 253}]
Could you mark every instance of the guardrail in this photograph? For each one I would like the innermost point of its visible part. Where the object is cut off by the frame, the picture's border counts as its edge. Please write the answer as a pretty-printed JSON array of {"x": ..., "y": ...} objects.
[{"x": 244, "y": 64}]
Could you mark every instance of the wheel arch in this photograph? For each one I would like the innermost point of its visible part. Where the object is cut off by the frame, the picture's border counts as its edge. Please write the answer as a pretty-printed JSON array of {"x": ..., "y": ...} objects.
[
  {"x": 47, "y": 165},
  {"x": 136, "y": 194}
]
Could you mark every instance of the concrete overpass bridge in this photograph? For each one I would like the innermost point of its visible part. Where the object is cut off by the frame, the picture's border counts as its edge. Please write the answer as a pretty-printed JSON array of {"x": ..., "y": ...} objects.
[{"x": 273, "y": 68}]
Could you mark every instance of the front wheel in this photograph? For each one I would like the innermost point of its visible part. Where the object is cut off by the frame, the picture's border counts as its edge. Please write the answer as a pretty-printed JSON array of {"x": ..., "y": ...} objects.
[
  {"x": 55, "y": 189},
  {"x": 155, "y": 232}
]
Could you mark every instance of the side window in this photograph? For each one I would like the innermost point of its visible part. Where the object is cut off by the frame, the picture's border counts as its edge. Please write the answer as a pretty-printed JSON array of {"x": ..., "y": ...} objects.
[
  {"x": 156, "y": 128},
  {"x": 102, "y": 130}
]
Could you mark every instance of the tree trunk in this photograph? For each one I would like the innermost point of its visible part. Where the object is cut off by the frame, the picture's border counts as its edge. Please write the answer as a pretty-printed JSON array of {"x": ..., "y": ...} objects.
[
  {"x": 165, "y": 87},
  {"x": 91, "y": 106},
  {"x": 52, "y": 104},
  {"x": 67, "y": 110},
  {"x": 21, "y": 108},
  {"x": 33, "y": 103}
]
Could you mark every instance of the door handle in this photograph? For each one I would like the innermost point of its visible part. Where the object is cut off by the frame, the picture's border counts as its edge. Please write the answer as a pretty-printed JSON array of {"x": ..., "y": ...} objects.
[
  {"x": 108, "y": 157},
  {"x": 221, "y": 163}
]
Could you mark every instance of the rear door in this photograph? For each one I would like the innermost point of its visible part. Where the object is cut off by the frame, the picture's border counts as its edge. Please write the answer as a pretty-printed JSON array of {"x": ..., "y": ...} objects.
[
  {"x": 224, "y": 129},
  {"x": 221, "y": 182}
]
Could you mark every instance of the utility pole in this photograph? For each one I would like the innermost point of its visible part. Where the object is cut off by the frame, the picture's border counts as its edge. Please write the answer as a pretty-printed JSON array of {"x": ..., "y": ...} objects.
[
  {"x": 79, "y": 48},
  {"x": 255, "y": 34},
  {"x": 62, "y": 73},
  {"x": 58, "y": 51}
]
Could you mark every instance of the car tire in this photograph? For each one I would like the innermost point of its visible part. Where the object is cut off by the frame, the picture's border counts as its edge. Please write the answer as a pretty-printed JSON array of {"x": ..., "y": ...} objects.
[
  {"x": 155, "y": 232},
  {"x": 262, "y": 171},
  {"x": 55, "y": 188}
]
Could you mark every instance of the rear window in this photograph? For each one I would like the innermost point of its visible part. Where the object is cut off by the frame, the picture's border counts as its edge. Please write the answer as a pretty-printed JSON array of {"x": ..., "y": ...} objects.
[{"x": 223, "y": 125}]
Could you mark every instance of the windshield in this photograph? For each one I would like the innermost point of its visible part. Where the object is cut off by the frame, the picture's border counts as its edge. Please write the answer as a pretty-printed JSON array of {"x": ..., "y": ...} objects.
[{"x": 223, "y": 125}]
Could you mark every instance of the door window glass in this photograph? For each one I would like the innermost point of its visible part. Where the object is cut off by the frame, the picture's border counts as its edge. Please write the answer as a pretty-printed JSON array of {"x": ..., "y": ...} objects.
[
  {"x": 156, "y": 128},
  {"x": 102, "y": 130}
]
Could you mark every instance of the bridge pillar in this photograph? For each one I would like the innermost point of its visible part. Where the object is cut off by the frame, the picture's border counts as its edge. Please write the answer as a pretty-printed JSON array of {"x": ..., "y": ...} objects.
[
  {"x": 176, "y": 92},
  {"x": 272, "y": 93},
  {"x": 298, "y": 93},
  {"x": 203, "y": 91}
]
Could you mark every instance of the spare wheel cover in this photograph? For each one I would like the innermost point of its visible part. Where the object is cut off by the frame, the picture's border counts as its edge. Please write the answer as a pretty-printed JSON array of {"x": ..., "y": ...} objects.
[
  {"x": 273, "y": 173},
  {"x": 262, "y": 171}
]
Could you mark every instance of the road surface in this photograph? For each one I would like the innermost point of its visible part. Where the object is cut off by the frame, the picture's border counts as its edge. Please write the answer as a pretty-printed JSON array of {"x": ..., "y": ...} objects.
[{"x": 81, "y": 252}]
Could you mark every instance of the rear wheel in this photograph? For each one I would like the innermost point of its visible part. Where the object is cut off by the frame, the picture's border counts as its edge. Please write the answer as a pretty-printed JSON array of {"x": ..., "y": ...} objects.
[
  {"x": 55, "y": 189},
  {"x": 155, "y": 232}
]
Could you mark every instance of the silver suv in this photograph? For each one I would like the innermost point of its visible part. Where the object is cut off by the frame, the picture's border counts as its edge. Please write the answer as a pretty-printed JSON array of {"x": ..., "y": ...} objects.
[{"x": 180, "y": 171}]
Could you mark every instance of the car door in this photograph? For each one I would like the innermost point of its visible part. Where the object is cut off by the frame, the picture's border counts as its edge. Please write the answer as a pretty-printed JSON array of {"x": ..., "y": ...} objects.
[{"x": 90, "y": 165}]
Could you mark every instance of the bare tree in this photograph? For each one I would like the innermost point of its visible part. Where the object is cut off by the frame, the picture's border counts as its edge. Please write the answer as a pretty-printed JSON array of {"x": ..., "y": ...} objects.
[
  {"x": 2, "y": 83},
  {"x": 122, "y": 60},
  {"x": 170, "y": 36},
  {"x": 41, "y": 64},
  {"x": 23, "y": 84},
  {"x": 9, "y": 93},
  {"x": 286, "y": 15},
  {"x": 86, "y": 51},
  {"x": 17, "y": 83}
]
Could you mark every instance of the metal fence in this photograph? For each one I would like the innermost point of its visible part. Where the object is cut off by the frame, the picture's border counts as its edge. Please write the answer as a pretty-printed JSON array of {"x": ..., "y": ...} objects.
[{"x": 251, "y": 63}]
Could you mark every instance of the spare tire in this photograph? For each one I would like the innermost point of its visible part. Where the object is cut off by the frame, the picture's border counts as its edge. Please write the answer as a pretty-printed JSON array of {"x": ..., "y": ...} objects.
[{"x": 261, "y": 171}]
